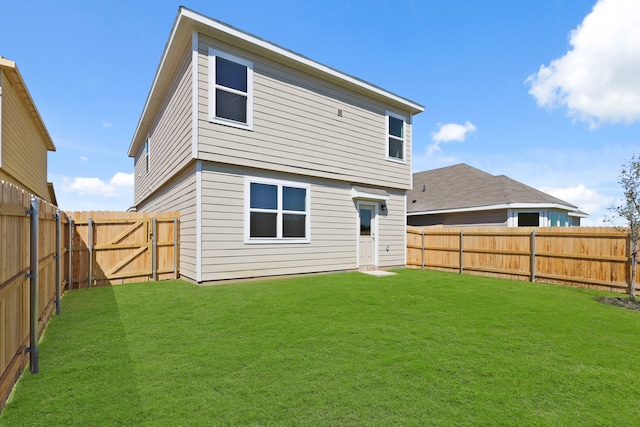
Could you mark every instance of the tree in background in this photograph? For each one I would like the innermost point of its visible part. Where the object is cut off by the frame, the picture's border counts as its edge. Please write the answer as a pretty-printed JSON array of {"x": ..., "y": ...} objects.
[{"x": 629, "y": 210}]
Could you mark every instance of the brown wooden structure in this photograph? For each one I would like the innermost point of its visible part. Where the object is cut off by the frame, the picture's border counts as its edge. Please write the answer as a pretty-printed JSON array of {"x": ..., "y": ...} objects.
[
  {"x": 74, "y": 250},
  {"x": 587, "y": 257}
]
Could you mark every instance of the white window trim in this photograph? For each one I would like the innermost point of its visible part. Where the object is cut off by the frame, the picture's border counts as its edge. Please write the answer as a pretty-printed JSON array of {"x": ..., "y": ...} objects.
[
  {"x": 387, "y": 136},
  {"x": 248, "y": 180},
  {"x": 147, "y": 155},
  {"x": 213, "y": 53}
]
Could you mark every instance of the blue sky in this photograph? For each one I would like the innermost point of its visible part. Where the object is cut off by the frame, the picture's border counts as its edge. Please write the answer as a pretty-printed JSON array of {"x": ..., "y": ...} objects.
[{"x": 546, "y": 92}]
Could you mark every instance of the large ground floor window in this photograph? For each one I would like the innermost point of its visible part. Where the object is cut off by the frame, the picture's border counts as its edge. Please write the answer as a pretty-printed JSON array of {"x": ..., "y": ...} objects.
[{"x": 276, "y": 211}]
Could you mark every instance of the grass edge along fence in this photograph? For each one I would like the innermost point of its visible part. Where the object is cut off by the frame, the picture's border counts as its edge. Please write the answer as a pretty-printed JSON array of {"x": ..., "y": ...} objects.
[
  {"x": 73, "y": 250},
  {"x": 586, "y": 257}
]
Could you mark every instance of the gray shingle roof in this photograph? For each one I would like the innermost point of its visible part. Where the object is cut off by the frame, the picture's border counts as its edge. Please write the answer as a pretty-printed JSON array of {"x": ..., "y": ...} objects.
[{"x": 462, "y": 186}]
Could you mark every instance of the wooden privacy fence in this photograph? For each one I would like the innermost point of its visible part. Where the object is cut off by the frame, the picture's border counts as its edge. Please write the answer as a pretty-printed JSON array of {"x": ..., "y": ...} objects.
[
  {"x": 587, "y": 257},
  {"x": 31, "y": 272},
  {"x": 122, "y": 247},
  {"x": 44, "y": 251}
]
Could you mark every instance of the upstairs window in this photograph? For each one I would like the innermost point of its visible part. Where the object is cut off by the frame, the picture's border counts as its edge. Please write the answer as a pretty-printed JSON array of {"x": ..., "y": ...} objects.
[
  {"x": 276, "y": 211},
  {"x": 230, "y": 90},
  {"x": 395, "y": 137}
]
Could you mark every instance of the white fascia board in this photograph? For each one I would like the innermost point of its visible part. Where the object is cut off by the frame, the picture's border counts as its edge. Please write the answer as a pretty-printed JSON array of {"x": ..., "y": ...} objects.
[
  {"x": 579, "y": 214},
  {"x": 414, "y": 107},
  {"x": 496, "y": 207}
]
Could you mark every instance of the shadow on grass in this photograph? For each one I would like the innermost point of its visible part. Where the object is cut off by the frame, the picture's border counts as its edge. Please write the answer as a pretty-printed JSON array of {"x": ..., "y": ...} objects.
[{"x": 83, "y": 353}]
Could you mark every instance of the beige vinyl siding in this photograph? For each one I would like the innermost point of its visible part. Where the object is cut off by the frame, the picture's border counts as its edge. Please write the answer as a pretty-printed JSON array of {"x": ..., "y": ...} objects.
[
  {"x": 169, "y": 136},
  {"x": 297, "y": 128},
  {"x": 225, "y": 255},
  {"x": 179, "y": 195},
  {"x": 24, "y": 152},
  {"x": 495, "y": 217},
  {"x": 392, "y": 231}
]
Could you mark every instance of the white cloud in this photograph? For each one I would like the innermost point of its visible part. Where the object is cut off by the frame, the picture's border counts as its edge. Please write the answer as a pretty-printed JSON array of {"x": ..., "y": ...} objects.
[
  {"x": 94, "y": 194},
  {"x": 122, "y": 180},
  {"x": 598, "y": 79},
  {"x": 83, "y": 158},
  {"x": 447, "y": 133},
  {"x": 587, "y": 200},
  {"x": 453, "y": 132},
  {"x": 97, "y": 187},
  {"x": 106, "y": 124}
]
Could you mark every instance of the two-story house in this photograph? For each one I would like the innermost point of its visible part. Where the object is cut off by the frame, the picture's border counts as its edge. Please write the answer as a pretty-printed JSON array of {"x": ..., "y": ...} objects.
[
  {"x": 24, "y": 139},
  {"x": 278, "y": 164}
]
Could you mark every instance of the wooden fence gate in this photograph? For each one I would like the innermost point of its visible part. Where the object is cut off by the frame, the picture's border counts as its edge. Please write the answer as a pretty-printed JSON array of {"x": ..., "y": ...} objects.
[{"x": 122, "y": 247}]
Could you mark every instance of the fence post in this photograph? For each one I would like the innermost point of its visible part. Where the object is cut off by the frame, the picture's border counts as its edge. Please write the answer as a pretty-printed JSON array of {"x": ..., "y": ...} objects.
[
  {"x": 633, "y": 262},
  {"x": 58, "y": 261},
  {"x": 33, "y": 276},
  {"x": 533, "y": 255},
  {"x": 461, "y": 252},
  {"x": 70, "y": 253},
  {"x": 175, "y": 247},
  {"x": 154, "y": 249},
  {"x": 90, "y": 247},
  {"x": 423, "y": 248}
]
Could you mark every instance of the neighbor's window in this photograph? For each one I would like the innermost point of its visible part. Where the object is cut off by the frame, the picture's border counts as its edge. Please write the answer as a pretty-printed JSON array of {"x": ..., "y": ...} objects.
[
  {"x": 395, "y": 137},
  {"x": 277, "y": 211},
  {"x": 230, "y": 89},
  {"x": 558, "y": 219},
  {"x": 528, "y": 219},
  {"x": 146, "y": 156}
]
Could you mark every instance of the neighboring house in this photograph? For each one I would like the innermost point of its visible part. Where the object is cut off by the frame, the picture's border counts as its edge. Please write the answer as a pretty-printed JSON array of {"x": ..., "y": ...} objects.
[
  {"x": 462, "y": 195},
  {"x": 24, "y": 139},
  {"x": 278, "y": 164}
]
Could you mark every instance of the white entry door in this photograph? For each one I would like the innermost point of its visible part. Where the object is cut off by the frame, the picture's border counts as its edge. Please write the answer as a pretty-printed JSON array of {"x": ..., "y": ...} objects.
[{"x": 367, "y": 236}]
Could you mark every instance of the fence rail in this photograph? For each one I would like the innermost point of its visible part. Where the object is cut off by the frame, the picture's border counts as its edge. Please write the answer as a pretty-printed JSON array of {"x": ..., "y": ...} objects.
[
  {"x": 67, "y": 251},
  {"x": 588, "y": 257}
]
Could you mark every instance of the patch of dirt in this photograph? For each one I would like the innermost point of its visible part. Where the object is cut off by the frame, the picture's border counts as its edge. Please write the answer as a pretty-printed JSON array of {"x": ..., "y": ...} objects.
[{"x": 624, "y": 302}]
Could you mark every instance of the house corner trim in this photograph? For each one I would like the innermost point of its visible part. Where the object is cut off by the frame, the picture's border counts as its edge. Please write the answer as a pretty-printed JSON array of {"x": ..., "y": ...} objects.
[
  {"x": 199, "y": 221},
  {"x": 194, "y": 95}
]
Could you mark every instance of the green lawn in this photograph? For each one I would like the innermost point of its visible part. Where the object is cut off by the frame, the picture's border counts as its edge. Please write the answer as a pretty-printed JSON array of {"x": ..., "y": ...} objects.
[{"x": 419, "y": 348}]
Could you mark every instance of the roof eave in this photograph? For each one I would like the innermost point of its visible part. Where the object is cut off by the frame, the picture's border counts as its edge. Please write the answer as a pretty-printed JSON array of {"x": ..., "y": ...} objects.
[
  {"x": 14, "y": 74},
  {"x": 572, "y": 210},
  {"x": 187, "y": 21},
  {"x": 151, "y": 102}
]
